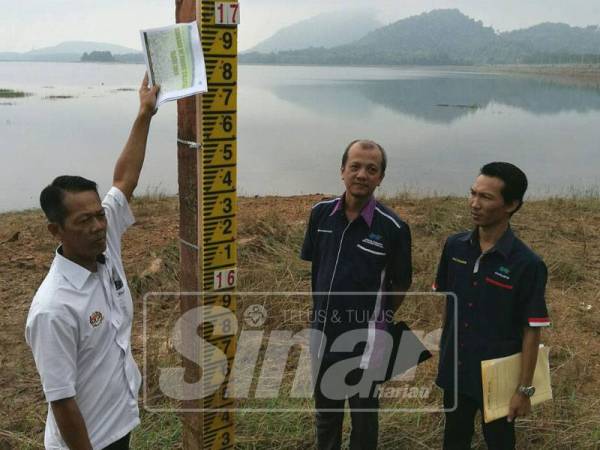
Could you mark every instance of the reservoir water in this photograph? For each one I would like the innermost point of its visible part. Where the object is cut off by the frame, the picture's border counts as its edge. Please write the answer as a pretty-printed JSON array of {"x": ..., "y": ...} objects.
[{"x": 438, "y": 126}]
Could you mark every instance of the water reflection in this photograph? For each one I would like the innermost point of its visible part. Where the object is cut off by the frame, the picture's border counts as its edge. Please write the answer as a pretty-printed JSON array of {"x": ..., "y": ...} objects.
[{"x": 440, "y": 99}]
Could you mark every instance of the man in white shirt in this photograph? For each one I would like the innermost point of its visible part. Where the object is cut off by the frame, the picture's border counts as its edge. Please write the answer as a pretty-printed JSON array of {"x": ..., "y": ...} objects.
[{"x": 79, "y": 323}]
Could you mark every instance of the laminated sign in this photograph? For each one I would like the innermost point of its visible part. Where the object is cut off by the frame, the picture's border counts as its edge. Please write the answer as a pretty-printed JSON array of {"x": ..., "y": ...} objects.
[{"x": 174, "y": 60}]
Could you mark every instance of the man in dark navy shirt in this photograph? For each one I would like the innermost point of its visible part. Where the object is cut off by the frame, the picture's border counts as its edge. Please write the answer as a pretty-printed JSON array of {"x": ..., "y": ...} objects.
[
  {"x": 359, "y": 250},
  {"x": 499, "y": 285}
]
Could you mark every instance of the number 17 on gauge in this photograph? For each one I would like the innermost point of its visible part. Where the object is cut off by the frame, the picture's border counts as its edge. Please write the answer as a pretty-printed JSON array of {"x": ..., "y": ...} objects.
[{"x": 227, "y": 13}]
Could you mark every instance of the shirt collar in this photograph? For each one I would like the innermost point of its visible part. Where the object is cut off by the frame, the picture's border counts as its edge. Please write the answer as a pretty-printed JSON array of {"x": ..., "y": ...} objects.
[
  {"x": 367, "y": 212},
  {"x": 503, "y": 246},
  {"x": 74, "y": 273}
]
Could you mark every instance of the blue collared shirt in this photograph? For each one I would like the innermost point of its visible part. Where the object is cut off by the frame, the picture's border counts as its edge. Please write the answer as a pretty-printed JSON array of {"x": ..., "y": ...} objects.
[
  {"x": 371, "y": 255},
  {"x": 498, "y": 293}
]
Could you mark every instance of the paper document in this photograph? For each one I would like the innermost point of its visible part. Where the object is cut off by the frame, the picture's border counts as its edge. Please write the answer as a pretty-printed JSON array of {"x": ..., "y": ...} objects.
[
  {"x": 174, "y": 60},
  {"x": 500, "y": 379}
]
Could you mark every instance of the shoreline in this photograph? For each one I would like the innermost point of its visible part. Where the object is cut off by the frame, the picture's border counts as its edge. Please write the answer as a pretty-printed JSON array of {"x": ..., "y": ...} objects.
[
  {"x": 591, "y": 193},
  {"x": 583, "y": 75}
]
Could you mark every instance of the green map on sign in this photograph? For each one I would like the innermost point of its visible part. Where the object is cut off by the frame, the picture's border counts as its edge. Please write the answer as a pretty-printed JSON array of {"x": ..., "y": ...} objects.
[
  {"x": 175, "y": 72},
  {"x": 174, "y": 60}
]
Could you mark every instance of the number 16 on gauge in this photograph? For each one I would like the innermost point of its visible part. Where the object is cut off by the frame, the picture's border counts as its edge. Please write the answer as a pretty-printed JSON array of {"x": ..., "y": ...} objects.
[{"x": 223, "y": 279}]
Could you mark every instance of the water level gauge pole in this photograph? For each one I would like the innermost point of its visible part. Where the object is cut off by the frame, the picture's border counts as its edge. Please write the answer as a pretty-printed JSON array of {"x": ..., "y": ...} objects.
[{"x": 207, "y": 137}]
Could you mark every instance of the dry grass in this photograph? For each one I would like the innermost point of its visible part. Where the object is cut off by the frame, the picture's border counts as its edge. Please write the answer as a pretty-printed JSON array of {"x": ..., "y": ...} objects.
[{"x": 564, "y": 230}]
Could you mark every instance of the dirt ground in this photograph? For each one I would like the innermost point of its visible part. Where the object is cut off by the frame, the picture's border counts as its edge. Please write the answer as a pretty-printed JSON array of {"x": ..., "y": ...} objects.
[{"x": 566, "y": 232}]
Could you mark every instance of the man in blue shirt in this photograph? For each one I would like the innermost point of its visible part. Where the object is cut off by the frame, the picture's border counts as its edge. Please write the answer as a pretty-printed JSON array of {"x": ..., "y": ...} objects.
[
  {"x": 499, "y": 285},
  {"x": 359, "y": 250}
]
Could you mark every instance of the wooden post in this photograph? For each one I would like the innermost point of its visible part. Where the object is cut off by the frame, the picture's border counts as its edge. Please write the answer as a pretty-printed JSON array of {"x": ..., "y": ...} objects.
[{"x": 187, "y": 169}]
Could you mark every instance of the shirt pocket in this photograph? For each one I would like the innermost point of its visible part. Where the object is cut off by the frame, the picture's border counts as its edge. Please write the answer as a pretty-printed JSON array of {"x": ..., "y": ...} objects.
[
  {"x": 499, "y": 306},
  {"x": 460, "y": 275},
  {"x": 324, "y": 241},
  {"x": 370, "y": 263}
]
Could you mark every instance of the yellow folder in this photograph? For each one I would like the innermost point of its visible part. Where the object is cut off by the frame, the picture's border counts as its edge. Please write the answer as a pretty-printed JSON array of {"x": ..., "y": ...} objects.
[{"x": 500, "y": 379}]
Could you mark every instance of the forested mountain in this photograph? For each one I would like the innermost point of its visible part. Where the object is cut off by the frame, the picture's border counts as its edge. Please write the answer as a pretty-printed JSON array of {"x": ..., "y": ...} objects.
[
  {"x": 557, "y": 38},
  {"x": 325, "y": 30},
  {"x": 449, "y": 37}
]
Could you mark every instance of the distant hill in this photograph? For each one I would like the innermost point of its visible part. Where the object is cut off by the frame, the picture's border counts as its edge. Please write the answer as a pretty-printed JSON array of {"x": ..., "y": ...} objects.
[
  {"x": 557, "y": 38},
  {"x": 325, "y": 30},
  {"x": 448, "y": 36},
  {"x": 70, "y": 51}
]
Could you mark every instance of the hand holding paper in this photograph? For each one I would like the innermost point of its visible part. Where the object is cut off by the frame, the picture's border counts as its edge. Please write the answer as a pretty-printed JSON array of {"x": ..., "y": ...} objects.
[
  {"x": 500, "y": 378},
  {"x": 148, "y": 96}
]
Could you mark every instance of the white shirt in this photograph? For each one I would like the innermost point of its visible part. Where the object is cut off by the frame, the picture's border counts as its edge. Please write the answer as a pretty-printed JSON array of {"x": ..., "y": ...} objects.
[{"x": 79, "y": 329}]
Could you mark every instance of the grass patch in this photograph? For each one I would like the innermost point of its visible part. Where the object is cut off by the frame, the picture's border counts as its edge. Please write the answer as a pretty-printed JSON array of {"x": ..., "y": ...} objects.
[
  {"x": 10, "y": 93},
  {"x": 157, "y": 430}
]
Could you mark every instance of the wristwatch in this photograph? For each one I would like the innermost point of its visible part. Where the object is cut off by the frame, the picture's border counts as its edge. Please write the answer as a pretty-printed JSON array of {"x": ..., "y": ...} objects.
[{"x": 527, "y": 391}]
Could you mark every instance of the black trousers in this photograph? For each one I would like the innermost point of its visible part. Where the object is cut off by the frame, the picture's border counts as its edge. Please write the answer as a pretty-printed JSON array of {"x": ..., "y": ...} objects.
[
  {"x": 365, "y": 426},
  {"x": 458, "y": 432},
  {"x": 121, "y": 444}
]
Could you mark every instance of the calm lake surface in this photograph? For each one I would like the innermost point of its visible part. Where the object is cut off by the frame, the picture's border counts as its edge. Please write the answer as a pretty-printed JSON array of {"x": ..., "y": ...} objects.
[{"x": 438, "y": 126}]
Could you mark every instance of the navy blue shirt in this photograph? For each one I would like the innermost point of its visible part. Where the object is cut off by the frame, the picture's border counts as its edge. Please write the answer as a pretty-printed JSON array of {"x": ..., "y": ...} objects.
[
  {"x": 498, "y": 293},
  {"x": 353, "y": 263}
]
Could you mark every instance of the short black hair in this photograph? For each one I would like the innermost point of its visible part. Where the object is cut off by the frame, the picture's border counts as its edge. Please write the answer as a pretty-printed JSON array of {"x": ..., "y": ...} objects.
[
  {"x": 515, "y": 181},
  {"x": 51, "y": 198},
  {"x": 366, "y": 143}
]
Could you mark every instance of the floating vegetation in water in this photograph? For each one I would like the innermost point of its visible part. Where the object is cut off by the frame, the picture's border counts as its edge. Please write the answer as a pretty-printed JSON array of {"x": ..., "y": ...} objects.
[
  {"x": 445, "y": 105},
  {"x": 58, "y": 97},
  {"x": 10, "y": 93}
]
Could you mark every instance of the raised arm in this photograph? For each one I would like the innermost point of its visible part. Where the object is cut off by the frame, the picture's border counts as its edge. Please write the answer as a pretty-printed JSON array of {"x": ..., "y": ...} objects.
[{"x": 129, "y": 164}]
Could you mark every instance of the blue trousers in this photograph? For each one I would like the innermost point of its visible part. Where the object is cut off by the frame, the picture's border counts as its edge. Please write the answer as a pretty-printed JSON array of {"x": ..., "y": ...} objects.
[
  {"x": 458, "y": 432},
  {"x": 365, "y": 425}
]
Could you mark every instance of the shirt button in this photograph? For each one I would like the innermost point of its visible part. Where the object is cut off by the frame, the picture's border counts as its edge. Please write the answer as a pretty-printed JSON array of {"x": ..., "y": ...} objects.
[
  {"x": 460, "y": 363},
  {"x": 474, "y": 283},
  {"x": 470, "y": 305},
  {"x": 466, "y": 325}
]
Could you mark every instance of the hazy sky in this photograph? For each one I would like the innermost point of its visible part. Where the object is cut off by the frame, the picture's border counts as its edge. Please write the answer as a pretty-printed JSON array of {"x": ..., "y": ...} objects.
[{"x": 40, "y": 23}]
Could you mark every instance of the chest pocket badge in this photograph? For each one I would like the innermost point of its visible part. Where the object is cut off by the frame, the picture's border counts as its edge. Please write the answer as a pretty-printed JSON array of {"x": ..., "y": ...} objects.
[{"x": 117, "y": 282}]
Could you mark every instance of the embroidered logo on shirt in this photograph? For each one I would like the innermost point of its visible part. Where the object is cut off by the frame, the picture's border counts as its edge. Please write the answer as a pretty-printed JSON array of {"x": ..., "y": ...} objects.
[
  {"x": 460, "y": 261},
  {"x": 501, "y": 275},
  {"x": 96, "y": 319},
  {"x": 373, "y": 243},
  {"x": 375, "y": 237},
  {"x": 502, "y": 272}
]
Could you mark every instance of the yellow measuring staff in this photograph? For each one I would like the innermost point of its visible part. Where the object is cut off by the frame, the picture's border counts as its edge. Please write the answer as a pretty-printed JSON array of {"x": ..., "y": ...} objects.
[{"x": 218, "y": 210}]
